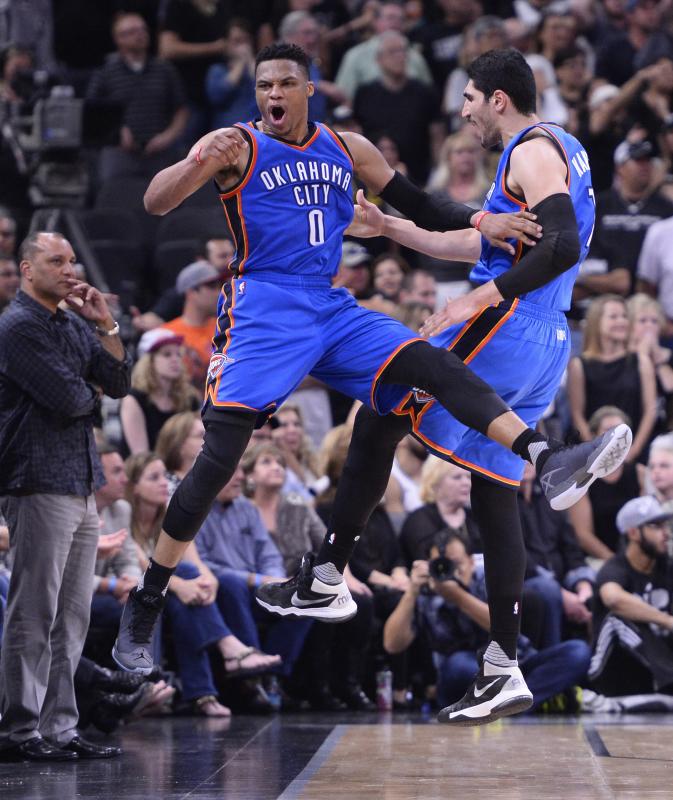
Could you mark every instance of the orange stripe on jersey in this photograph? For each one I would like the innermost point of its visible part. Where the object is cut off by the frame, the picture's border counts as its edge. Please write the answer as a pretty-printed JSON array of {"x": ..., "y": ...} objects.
[
  {"x": 563, "y": 150},
  {"x": 492, "y": 333},
  {"x": 338, "y": 142},
  {"x": 246, "y": 246},
  {"x": 248, "y": 172},
  {"x": 506, "y": 192}
]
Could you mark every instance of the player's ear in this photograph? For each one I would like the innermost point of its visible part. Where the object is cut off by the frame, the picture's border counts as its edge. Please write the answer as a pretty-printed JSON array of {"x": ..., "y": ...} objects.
[
  {"x": 499, "y": 99},
  {"x": 311, "y": 89}
]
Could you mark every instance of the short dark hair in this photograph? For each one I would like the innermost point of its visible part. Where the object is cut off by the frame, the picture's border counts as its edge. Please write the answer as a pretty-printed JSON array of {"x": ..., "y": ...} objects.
[
  {"x": 29, "y": 246},
  {"x": 508, "y": 71},
  {"x": 284, "y": 52}
]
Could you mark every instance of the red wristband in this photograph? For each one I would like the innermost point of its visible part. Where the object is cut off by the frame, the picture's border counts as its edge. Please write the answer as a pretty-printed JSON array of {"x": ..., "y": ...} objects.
[
  {"x": 480, "y": 217},
  {"x": 197, "y": 157}
]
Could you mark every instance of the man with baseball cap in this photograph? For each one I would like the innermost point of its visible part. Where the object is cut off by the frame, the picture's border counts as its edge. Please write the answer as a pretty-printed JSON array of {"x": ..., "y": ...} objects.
[
  {"x": 200, "y": 283},
  {"x": 633, "y": 647}
]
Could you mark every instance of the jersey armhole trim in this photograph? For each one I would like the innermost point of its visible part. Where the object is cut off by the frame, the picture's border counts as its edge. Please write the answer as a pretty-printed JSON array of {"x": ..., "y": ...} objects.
[
  {"x": 247, "y": 172},
  {"x": 538, "y": 132}
]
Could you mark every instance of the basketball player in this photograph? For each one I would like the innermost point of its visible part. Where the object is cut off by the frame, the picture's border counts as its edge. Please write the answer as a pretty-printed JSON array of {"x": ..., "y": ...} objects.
[
  {"x": 512, "y": 332},
  {"x": 285, "y": 186}
]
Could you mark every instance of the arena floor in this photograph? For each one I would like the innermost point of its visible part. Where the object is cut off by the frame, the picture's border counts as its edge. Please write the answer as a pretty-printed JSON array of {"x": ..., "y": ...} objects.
[{"x": 372, "y": 757}]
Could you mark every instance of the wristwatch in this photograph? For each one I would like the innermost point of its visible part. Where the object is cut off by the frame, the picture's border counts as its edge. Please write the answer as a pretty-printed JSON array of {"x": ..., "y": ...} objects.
[{"x": 104, "y": 332}]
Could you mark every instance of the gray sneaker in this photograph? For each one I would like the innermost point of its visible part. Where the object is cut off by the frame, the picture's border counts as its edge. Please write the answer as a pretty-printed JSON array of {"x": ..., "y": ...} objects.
[
  {"x": 140, "y": 618},
  {"x": 568, "y": 472}
]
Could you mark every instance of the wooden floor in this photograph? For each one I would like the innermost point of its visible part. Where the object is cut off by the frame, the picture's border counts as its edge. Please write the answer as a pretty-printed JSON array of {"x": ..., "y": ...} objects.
[{"x": 367, "y": 757}]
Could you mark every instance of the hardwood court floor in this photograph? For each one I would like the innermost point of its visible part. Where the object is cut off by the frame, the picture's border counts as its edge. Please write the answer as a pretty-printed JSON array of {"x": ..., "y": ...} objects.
[{"x": 367, "y": 757}]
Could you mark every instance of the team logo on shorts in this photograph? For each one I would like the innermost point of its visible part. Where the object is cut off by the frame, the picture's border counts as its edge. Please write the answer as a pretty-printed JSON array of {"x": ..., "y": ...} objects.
[
  {"x": 218, "y": 361},
  {"x": 422, "y": 397},
  {"x": 241, "y": 287}
]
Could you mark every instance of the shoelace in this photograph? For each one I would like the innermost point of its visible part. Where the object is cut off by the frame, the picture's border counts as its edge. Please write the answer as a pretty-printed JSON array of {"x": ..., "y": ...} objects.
[{"x": 145, "y": 613}]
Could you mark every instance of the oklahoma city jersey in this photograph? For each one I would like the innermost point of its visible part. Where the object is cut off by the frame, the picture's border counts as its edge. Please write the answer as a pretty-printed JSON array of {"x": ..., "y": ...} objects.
[
  {"x": 520, "y": 347},
  {"x": 289, "y": 213},
  {"x": 494, "y": 261},
  {"x": 279, "y": 318}
]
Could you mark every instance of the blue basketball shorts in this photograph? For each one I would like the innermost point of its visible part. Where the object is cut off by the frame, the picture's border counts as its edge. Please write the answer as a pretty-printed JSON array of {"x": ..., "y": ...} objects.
[
  {"x": 521, "y": 350},
  {"x": 273, "y": 332}
]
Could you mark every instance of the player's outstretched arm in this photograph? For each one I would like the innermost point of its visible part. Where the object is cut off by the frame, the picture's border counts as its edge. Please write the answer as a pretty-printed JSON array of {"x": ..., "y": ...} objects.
[
  {"x": 450, "y": 245},
  {"x": 223, "y": 152},
  {"x": 538, "y": 173},
  {"x": 429, "y": 212}
]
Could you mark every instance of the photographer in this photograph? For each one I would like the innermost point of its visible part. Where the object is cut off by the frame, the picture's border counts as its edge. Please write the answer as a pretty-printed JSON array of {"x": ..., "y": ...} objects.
[{"x": 446, "y": 602}]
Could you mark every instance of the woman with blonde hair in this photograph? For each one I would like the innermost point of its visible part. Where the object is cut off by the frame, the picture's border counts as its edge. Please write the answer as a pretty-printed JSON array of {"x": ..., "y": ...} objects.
[
  {"x": 159, "y": 388},
  {"x": 594, "y": 516},
  {"x": 445, "y": 492},
  {"x": 195, "y": 619},
  {"x": 461, "y": 172},
  {"x": 647, "y": 322},
  {"x": 607, "y": 373},
  {"x": 300, "y": 458}
]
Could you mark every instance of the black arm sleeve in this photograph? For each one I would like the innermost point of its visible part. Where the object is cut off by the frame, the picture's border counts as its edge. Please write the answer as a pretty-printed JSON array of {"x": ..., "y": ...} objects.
[
  {"x": 423, "y": 209},
  {"x": 555, "y": 252}
]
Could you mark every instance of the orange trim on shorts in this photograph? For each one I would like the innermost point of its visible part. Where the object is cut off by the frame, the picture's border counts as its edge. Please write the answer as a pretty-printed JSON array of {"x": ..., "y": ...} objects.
[
  {"x": 466, "y": 327},
  {"x": 381, "y": 369},
  {"x": 461, "y": 462},
  {"x": 492, "y": 333}
]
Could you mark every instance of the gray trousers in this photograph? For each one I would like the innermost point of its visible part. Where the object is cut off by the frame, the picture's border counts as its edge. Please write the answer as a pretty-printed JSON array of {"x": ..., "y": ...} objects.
[{"x": 53, "y": 540}]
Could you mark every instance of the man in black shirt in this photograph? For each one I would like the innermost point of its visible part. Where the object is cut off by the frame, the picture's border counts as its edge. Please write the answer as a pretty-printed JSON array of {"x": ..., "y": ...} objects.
[
  {"x": 623, "y": 215},
  {"x": 633, "y": 647},
  {"x": 54, "y": 364},
  {"x": 406, "y": 109},
  {"x": 151, "y": 96}
]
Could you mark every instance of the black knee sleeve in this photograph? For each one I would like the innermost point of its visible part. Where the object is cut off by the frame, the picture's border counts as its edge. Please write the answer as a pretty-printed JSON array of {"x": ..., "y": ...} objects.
[
  {"x": 442, "y": 374},
  {"x": 227, "y": 435}
]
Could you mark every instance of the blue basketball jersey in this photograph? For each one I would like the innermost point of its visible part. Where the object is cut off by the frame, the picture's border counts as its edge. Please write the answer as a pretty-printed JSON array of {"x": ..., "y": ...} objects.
[
  {"x": 289, "y": 211},
  {"x": 494, "y": 261}
]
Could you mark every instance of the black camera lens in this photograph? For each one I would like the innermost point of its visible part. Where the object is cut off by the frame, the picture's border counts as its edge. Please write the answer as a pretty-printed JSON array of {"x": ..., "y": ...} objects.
[{"x": 442, "y": 569}]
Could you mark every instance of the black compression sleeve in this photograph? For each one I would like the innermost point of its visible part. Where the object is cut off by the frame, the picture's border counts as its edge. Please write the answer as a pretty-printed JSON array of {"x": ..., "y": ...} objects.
[
  {"x": 555, "y": 252},
  {"x": 423, "y": 209}
]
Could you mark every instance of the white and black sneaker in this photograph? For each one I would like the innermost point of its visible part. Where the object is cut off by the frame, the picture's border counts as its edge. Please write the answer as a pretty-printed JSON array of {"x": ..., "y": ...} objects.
[
  {"x": 304, "y": 595},
  {"x": 568, "y": 472},
  {"x": 495, "y": 692}
]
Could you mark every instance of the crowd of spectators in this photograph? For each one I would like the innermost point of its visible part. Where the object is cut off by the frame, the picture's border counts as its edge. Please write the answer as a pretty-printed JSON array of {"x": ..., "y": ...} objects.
[{"x": 156, "y": 75}]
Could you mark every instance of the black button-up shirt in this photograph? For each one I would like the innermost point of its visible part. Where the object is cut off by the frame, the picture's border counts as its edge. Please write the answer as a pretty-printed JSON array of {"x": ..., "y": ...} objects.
[{"x": 50, "y": 366}]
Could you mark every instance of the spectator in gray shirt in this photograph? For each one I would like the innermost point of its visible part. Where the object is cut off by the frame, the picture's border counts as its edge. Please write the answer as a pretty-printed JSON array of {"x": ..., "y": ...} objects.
[{"x": 235, "y": 545}]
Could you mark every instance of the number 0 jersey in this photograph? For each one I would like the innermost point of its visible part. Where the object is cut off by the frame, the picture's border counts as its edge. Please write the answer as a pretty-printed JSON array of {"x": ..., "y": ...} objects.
[
  {"x": 557, "y": 294},
  {"x": 289, "y": 211}
]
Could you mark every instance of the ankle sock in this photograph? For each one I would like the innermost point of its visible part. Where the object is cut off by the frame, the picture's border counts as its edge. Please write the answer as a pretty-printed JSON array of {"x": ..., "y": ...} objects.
[
  {"x": 531, "y": 446},
  {"x": 496, "y": 655},
  {"x": 328, "y": 573},
  {"x": 156, "y": 577}
]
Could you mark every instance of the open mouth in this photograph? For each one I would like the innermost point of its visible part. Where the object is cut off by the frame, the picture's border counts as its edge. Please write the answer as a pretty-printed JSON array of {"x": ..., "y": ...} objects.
[{"x": 277, "y": 114}]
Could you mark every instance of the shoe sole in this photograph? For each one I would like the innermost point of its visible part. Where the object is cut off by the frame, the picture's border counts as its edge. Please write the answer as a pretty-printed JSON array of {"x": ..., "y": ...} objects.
[
  {"x": 608, "y": 458},
  {"x": 136, "y": 670},
  {"x": 332, "y": 615},
  {"x": 509, "y": 707}
]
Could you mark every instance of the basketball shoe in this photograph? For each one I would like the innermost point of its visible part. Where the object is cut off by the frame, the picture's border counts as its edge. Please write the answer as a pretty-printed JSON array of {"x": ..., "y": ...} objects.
[
  {"x": 133, "y": 648},
  {"x": 305, "y": 595},
  {"x": 566, "y": 473},
  {"x": 495, "y": 692}
]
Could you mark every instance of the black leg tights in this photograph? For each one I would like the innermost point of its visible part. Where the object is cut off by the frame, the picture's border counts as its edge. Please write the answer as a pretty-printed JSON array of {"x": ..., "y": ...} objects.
[
  {"x": 495, "y": 509},
  {"x": 227, "y": 435},
  {"x": 362, "y": 483},
  {"x": 442, "y": 374}
]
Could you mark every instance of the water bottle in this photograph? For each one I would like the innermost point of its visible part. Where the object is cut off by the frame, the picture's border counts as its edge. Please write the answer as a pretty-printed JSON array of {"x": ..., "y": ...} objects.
[
  {"x": 273, "y": 693},
  {"x": 384, "y": 690}
]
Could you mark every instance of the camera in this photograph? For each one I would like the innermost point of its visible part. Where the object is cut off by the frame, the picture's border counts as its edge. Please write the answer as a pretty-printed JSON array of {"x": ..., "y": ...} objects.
[{"x": 442, "y": 569}]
